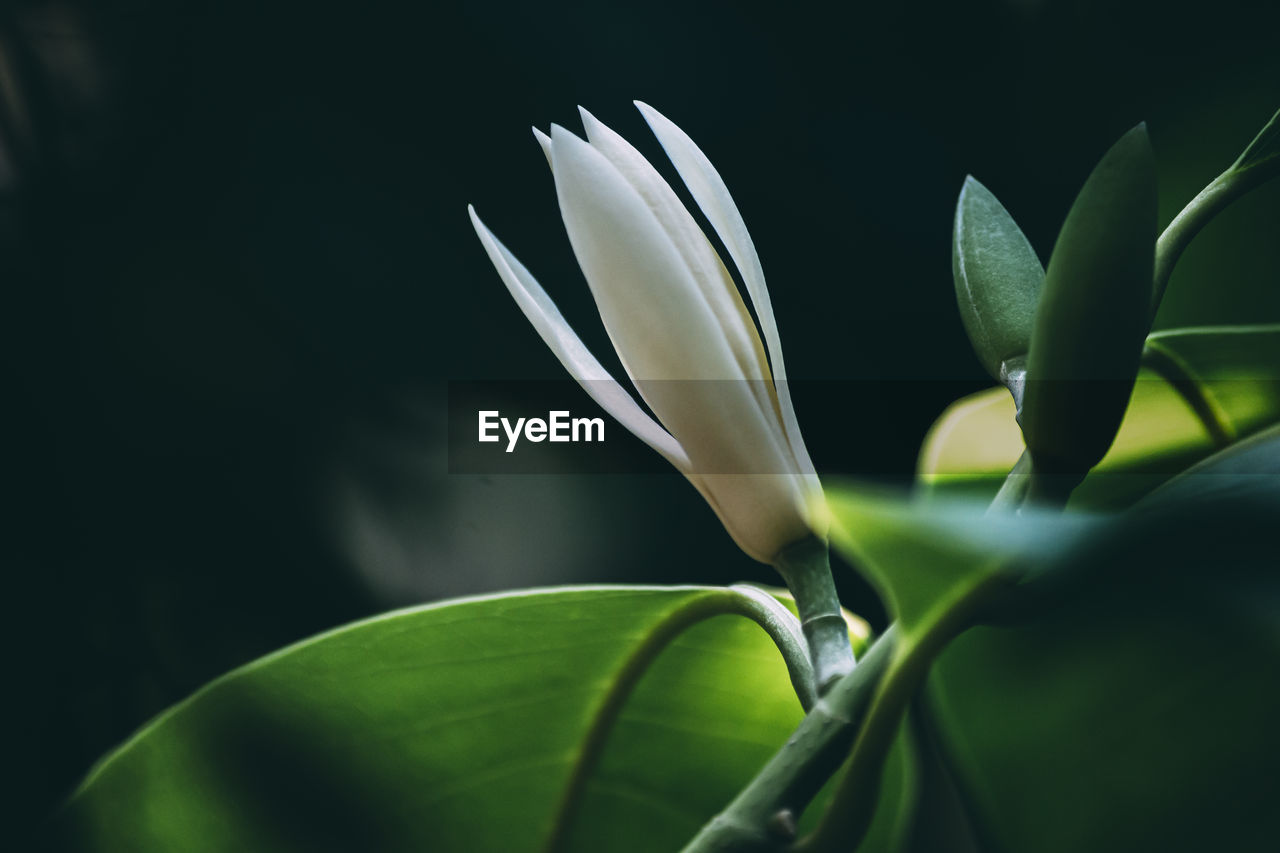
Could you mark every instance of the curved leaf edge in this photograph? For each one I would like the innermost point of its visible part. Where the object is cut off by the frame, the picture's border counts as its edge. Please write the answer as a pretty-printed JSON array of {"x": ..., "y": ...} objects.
[{"x": 741, "y": 594}]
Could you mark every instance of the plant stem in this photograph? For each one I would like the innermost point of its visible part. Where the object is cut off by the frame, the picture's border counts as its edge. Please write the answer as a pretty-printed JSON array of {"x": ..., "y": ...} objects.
[
  {"x": 750, "y": 602},
  {"x": 1027, "y": 484},
  {"x": 1014, "y": 489},
  {"x": 762, "y": 817},
  {"x": 853, "y": 804},
  {"x": 1051, "y": 489},
  {"x": 1211, "y": 200},
  {"x": 1178, "y": 373},
  {"x": 806, "y": 567}
]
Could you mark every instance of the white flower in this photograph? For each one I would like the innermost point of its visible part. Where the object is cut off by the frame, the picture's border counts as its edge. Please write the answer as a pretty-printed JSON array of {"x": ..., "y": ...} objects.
[{"x": 673, "y": 314}]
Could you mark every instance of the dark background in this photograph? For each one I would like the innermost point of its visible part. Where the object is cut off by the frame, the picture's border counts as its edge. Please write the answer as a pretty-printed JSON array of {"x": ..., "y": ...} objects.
[{"x": 237, "y": 275}]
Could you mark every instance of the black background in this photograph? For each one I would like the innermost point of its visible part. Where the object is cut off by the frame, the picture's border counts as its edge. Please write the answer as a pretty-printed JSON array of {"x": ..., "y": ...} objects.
[{"x": 238, "y": 274}]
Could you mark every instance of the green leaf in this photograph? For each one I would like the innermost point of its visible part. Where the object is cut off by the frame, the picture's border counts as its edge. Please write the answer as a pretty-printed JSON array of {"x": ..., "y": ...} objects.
[
  {"x": 1247, "y": 471},
  {"x": 923, "y": 555},
  {"x": 975, "y": 443},
  {"x": 896, "y": 810},
  {"x": 1115, "y": 729},
  {"x": 1139, "y": 713},
  {"x": 1093, "y": 312},
  {"x": 1231, "y": 372},
  {"x": 460, "y": 726},
  {"x": 939, "y": 566},
  {"x": 1265, "y": 146},
  {"x": 997, "y": 277}
]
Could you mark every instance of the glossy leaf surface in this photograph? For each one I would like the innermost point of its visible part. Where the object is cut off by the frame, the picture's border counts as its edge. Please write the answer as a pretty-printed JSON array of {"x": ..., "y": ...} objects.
[{"x": 456, "y": 727}]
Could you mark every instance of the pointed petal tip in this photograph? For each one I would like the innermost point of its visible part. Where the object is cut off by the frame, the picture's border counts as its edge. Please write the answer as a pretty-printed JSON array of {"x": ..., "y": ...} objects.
[
  {"x": 651, "y": 116},
  {"x": 590, "y": 123},
  {"x": 562, "y": 137},
  {"x": 482, "y": 230},
  {"x": 544, "y": 142}
]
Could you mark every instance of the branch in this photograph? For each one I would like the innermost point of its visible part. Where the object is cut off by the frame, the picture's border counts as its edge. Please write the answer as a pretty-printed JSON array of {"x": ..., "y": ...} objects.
[{"x": 762, "y": 819}]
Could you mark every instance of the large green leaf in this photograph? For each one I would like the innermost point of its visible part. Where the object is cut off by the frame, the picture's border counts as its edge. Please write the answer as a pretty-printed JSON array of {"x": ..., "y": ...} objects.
[
  {"x": 938, "y": 565},
  {"x": 1235, "y": 370},
  {"x": 1093, "y": 313},
  {"x": 460, "y": 726},
  {"x": 1139, "y": 712},
  {"x": 923, "y": 555},
  {"x": 997, "y": 278}
]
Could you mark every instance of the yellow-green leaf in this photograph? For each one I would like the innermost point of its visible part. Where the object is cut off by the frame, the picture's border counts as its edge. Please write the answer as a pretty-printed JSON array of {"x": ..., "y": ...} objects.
[{"x": 976, "y": 441}]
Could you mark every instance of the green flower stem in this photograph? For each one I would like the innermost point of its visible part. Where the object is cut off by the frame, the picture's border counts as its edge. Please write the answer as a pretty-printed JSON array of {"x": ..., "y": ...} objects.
[
  {"x": 1051, "y": 489},
  {"x": 853, "y": 804},
  {"x": 1220, "y": 192},
  {"x": 806, "y": 567},
  {"x": 1026, "y": 483},
  {"x": 754, "y": 604},
  {"x": 762, "y": 817},
  {"x": 1014, "y": 489}
]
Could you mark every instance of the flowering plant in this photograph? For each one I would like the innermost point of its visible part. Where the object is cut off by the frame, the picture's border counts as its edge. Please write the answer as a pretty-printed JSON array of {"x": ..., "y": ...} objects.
[{"x": 1079, "y": 650}]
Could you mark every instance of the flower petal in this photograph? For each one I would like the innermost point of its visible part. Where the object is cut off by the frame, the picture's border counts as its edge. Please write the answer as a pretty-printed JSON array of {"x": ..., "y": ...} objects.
[
  {"x": 654, "y": 311},
  {"x": 713, "y": 279},
  {"x": 545, "y": 142},
  {"x": 709, "y": 191},
  {"x": 665, "y": 332},
  {"x": 573, "y": 354},
  {"x": 699, "y": 255}
]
